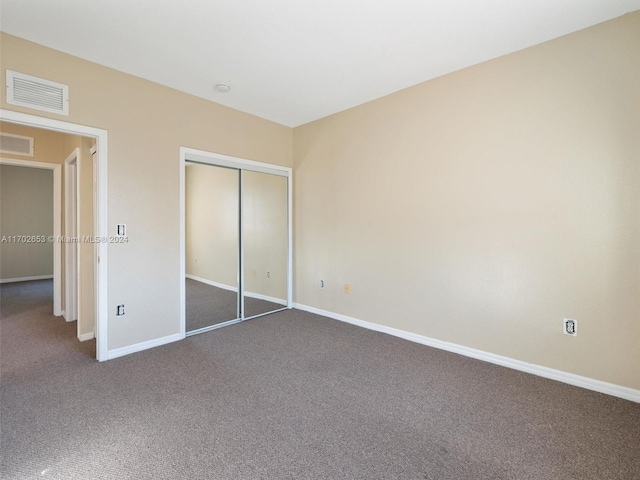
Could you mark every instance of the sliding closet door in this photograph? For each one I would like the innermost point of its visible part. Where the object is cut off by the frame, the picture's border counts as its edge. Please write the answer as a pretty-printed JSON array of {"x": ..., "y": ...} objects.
[
  {"x": 264, "y": 242},
  {"x": 235, "y": 239},
  {"x": 212, "y": 239}
]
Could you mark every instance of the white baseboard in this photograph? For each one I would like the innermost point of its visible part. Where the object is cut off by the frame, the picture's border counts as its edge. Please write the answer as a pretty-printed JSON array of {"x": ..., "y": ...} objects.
[
  {"x": 565, "y": 377},
  {"x": 26, "y": 279},
  {"x": 259, "y": 296},
  {"x": 212, "y": 283},
  {"x": 86, "y": 336},
  {"x": 138, "y": 347}
]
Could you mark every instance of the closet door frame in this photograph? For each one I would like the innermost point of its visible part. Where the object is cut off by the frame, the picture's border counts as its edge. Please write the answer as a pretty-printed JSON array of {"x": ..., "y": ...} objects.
[{"x": 220, "y": 160}]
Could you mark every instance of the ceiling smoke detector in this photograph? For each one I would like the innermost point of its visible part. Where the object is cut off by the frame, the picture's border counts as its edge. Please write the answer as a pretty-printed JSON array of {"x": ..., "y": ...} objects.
[{"x": 221, "y": 87}]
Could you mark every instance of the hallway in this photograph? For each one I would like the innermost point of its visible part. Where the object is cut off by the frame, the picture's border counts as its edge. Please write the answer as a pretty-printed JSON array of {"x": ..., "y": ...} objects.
[{"x": 30, "y": 333}]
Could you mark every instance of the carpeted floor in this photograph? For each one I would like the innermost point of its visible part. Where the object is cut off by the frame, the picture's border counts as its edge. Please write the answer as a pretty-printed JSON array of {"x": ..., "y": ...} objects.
[
  {"x": 208, "y": 305},
  {"x": 289, "y": 396}
]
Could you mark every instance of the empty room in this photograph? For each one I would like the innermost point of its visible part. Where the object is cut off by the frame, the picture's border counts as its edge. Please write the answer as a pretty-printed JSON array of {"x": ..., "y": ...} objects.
[{"x": 304, "y": 239}]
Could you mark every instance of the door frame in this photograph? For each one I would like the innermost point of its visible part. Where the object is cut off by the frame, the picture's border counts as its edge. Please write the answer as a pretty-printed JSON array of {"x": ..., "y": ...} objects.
[
  {"x": 220, "y": 160},
  {"x": 57, "y": 223},
  {"x": 100, "y": 212},
  {"x": 72, "y": 229}
]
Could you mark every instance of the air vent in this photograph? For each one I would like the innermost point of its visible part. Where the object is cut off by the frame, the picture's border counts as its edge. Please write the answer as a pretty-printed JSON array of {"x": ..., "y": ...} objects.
[
  {"x": 37, "y": 93},
  {"x": 16, "y": 144}
]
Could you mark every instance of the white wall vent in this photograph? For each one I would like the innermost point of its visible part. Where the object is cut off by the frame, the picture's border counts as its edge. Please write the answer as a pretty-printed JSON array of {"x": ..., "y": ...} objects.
[
  {"x": 37, "y": 93},
  {"x": 16, "y": 144}
]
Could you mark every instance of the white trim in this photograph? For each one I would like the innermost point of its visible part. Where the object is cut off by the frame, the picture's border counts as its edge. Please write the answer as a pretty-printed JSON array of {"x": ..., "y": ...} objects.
[
  {"x": 264, "y": 314},
  {"x": 86, "y": 336},
  {"x": 259, "y": 296},
  {"x": 71, "y": 223},
  {"x": 211, "y": 282},
  {"x": 290, "y": 239},
  {"x": 553, "y": 374},
  {"x": 26, "y": 279},
  {"x": 182, "y": 244},
  {"x": 138, "y": 347},
  {"x": 78, "y": 276},
  {"x": 57, "y": 249},
  {"x": 102, "y": 230},
  {"x": 94, "y": 229},
  {"x": 100, "y": 214},
  {"x": 240, "y": 268},
  {"x": 212, "y": 158},
  {"x": 215, "y": 326},
  {"x": 57, "y": 221}
]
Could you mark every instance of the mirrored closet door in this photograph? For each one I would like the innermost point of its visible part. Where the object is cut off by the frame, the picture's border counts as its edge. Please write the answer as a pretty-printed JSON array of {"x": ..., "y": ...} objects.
[
  {"x": 212, "y": 245},
  {"x": 264, "y": 242},
  {"x": 236, "y": 241}
]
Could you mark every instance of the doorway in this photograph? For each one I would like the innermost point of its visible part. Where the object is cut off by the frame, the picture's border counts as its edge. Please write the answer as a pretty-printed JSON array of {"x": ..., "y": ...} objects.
[
  {"x": 56, "y": 229},
  {"x": 99, "y": 215}
]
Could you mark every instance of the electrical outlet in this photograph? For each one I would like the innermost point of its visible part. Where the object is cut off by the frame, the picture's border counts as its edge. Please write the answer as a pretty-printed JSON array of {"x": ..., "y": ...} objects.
[
  {"x": 570, "y": 327},
  {"x": 321, "y": 283},
  {"x": 120, "y": 310},
  {"x": 268, "y": 274},
  {"x": 347, "y": 288},
  {"x": 196, "y": 260},
  {"x": 121, "y": 230}
]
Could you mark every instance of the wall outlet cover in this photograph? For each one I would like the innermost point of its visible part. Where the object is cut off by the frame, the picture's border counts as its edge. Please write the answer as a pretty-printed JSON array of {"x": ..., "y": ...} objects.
[{"x": 570, "y": 327}]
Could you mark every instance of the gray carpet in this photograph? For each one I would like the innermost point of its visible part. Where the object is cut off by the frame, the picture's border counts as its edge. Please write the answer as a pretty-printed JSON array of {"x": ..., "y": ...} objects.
[
  {"x": 289, "y": 396},
  {"x": 207, "y": 305}
]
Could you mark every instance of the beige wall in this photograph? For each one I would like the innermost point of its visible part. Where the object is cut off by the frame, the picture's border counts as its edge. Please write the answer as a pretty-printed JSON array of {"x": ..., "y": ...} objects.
[
  {"x": 147, "y": 123},
  {"x": 478, "y": 208},
  {"x": 483, "y": 207},
  {"x": 26, "y": 203},
  {"x": 211, "y": 223},
  {"x": 49, "y": 146}
]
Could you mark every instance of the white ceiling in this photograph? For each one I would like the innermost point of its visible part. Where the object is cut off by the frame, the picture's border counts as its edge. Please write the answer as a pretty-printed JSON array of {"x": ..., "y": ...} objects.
[{"x": 298, "y": 60}]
